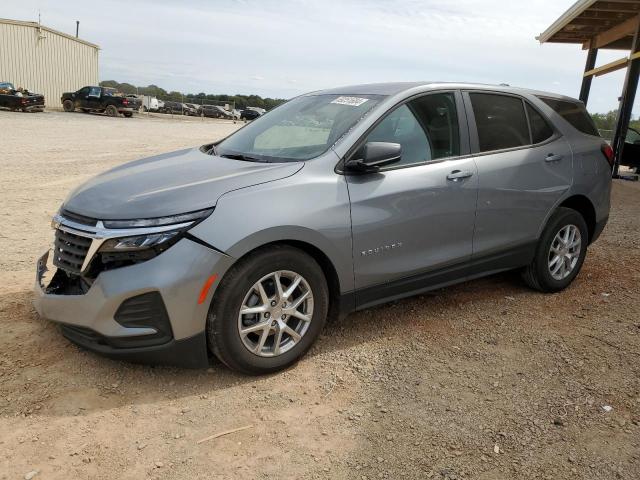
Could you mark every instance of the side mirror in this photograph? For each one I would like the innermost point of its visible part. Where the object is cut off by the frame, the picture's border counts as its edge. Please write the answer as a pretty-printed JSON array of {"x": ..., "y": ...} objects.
[{"x": 373, "y": 155}]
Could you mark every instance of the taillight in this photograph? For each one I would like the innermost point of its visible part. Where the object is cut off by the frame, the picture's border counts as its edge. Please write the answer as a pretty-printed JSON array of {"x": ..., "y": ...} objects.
[
  {"x": 24, "y": 100},
  {"x": 608, "y": 153},
  {"x": 125, "y": 101}
]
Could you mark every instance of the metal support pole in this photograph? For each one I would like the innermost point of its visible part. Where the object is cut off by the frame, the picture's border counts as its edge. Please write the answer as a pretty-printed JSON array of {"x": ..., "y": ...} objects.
[
  {"x": 626, "y": 103},
  {"x": 586, "y": 81}
]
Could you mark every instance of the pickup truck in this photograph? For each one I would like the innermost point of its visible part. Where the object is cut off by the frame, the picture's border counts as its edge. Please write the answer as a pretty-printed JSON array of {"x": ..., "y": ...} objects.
[
  {"x": 20, "y": 99},
  {"x": 98, "y": 99}
]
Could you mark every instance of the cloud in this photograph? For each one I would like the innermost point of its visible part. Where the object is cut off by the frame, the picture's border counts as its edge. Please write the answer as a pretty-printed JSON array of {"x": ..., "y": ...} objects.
[{"x": 286, "y": 47}]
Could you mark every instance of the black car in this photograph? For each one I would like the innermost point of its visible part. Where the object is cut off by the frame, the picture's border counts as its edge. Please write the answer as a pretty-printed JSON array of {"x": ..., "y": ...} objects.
[
  {"x": 98, "y": 99},
  {"x": 631, "y": 150},
  {"x": 178, "y": 108},
  {"x": 215, "y": 111},
  {"x": 249, "y": 115},
  {"x": 20, "y": 99}
]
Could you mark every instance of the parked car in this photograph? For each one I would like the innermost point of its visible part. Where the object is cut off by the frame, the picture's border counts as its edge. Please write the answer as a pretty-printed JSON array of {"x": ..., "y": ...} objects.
[
  {"x": 149, "y": 104},
  {"x": 98, "y": 99},
  {"x": 631, "y": 150},
  {"x": 334, "y": 202},
  {"x": 135, "y": 101},
  {"x": 215, "y": 111},
  {"x": 249, "y": 115},
  {"x": 20, "y": 99},
  {"x": 261, "y": 111},
  {"x": 196, "y": 108},
  {"x": 178, "y": 108}
]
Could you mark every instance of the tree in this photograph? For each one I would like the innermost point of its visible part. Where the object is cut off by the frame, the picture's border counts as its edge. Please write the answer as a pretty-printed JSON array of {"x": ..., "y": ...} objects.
[{"x": 240, "y": 101}]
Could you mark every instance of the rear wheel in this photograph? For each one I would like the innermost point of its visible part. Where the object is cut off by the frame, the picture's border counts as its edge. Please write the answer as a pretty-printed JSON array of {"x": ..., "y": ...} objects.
[
  {"x": 67, "y": 106},
  {"x": 128, "y": 114},
  {"x": 268, "y": 310},
  {"x": 111, "y": 110},
  {"x": 560, "y": 252}
]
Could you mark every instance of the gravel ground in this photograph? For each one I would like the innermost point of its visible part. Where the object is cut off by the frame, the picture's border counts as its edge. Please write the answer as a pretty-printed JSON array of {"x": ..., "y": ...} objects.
[{"x": 485, "y": 380}]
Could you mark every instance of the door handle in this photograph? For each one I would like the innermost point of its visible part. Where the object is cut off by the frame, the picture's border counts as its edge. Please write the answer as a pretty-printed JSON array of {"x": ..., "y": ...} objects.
[
  {"x": 457, "y": 175},
  {"x": 553, "y": 158}
]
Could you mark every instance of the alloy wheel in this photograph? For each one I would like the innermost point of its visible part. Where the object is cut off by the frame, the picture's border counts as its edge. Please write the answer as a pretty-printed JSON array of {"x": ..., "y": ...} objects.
[
  {"x": 564, "y": 252},
  {"x": 276, "y": 313}
]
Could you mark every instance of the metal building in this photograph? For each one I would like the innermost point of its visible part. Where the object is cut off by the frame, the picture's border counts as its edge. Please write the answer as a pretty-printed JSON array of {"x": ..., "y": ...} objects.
[{"x": 44, "y": 60}]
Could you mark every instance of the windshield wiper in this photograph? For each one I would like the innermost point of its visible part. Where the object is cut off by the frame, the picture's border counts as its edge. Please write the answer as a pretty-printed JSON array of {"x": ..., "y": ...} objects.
[{"x": 245, "y": 158}]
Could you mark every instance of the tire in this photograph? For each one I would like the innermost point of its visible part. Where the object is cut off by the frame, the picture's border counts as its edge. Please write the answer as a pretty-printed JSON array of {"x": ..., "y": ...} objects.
[
  {"x": 128, "y": 114},
  {"x": 111, "y": 111},
  {"x": 85, "y": 110},
  {"x": 224, "y": 319},
  {"x": 68, "y": 106},
  {"x": 539, "y": 275}
]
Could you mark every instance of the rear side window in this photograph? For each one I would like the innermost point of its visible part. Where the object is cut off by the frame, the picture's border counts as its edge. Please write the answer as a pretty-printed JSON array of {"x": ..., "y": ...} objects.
[
  {"x": 574, "y": 113},
  {"x": 540, "y": 129},
  {"x": 500, "y": 120}
]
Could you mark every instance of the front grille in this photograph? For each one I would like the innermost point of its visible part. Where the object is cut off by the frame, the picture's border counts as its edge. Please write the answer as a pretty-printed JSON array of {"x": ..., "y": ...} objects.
[{"x": 70, "y": 250}]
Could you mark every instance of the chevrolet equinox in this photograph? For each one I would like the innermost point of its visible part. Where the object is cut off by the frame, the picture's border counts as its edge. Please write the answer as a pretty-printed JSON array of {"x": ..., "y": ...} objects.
[{"x": 333, "y": 202}]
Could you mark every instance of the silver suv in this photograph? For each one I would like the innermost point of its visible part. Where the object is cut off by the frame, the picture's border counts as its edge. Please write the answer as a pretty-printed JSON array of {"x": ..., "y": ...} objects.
[{"x": 336, "y": 201}]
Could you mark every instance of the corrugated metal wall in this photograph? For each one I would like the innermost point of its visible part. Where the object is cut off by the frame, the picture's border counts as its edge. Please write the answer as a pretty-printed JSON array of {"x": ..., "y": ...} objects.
[{"x": 45, "y": 62}]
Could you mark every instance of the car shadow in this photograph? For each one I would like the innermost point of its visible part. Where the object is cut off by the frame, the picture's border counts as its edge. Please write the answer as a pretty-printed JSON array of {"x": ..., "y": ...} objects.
[{"x": 36, "y": 357}]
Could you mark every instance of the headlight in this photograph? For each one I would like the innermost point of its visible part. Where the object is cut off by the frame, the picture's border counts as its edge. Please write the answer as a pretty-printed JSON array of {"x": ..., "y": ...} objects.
[
  {"x": 145, "y": 238},
  {"x": 140, "y": 242},
  {"x": 159, "y": 221}
]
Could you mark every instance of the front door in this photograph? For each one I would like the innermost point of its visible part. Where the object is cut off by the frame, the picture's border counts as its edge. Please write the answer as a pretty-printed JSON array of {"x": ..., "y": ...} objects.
[{"x": 412, "y": 222}]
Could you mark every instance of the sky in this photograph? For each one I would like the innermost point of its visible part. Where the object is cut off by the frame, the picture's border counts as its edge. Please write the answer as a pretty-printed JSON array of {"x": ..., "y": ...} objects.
[{"x": 282, "y": 48}]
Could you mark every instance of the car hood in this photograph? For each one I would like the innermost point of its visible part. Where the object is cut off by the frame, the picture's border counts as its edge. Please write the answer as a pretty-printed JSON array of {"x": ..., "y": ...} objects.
[{"x": 168, "y": 184}]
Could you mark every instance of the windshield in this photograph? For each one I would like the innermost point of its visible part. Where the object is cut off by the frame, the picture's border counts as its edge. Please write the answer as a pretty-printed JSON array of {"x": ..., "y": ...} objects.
[
  {"x": 300, "y": 129},
  {"x": 6, "y": 86}
]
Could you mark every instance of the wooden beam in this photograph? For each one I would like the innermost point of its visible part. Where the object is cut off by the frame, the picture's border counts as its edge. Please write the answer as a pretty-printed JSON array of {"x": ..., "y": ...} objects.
[
  {"x": 608, "y": 68},
  {"x": 615, "y": 33}
]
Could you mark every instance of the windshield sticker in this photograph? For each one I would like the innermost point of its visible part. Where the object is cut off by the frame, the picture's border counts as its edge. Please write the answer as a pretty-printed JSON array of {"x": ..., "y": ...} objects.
[{"x": 351, "y": 101}]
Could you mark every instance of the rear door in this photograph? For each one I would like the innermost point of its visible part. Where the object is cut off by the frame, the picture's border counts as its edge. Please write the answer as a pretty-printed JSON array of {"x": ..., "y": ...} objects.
[
  {"x": 524, "y": 168},
  {"x": 412, "y": 222}
]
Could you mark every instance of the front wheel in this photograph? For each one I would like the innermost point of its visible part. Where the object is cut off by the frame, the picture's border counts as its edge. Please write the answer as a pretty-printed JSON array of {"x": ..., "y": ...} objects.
[
  {"x": 268, "y": 310},
  {"x": 560, "y": 252}
]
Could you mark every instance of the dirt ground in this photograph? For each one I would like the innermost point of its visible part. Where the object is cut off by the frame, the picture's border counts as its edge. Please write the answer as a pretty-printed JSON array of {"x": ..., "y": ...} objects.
[{"x": 485, "y": 380}]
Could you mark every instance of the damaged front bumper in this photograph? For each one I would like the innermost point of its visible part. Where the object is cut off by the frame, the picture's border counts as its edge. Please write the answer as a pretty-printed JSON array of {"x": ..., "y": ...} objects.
[{"x": 147, "y": 312}]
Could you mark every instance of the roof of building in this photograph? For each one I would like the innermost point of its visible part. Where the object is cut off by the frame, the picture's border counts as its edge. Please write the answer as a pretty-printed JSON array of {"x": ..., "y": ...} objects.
[
  {"x": 609, "y": 23},
  {"x": 47, "y": 29}
]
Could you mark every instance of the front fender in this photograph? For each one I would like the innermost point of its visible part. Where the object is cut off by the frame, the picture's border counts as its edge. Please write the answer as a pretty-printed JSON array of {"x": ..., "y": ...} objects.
[{"x": 303, "y": 207}]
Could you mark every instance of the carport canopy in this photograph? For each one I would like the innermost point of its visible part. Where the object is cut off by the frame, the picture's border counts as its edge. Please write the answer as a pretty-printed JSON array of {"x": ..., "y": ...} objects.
[{"x": 611, "y": 25}]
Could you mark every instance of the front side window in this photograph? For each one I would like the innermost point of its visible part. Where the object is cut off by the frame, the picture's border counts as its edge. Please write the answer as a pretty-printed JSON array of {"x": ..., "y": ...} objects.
[
  {"x": 427, "y": 128},
  {"x": 94, "y": 92},
  {"x": 500, "y": 120},
  {"x": 300, "y": 129}
]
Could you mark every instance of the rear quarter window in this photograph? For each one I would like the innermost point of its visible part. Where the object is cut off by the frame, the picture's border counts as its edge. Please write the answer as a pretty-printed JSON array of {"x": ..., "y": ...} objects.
[{"x": 574, "y": 113}]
